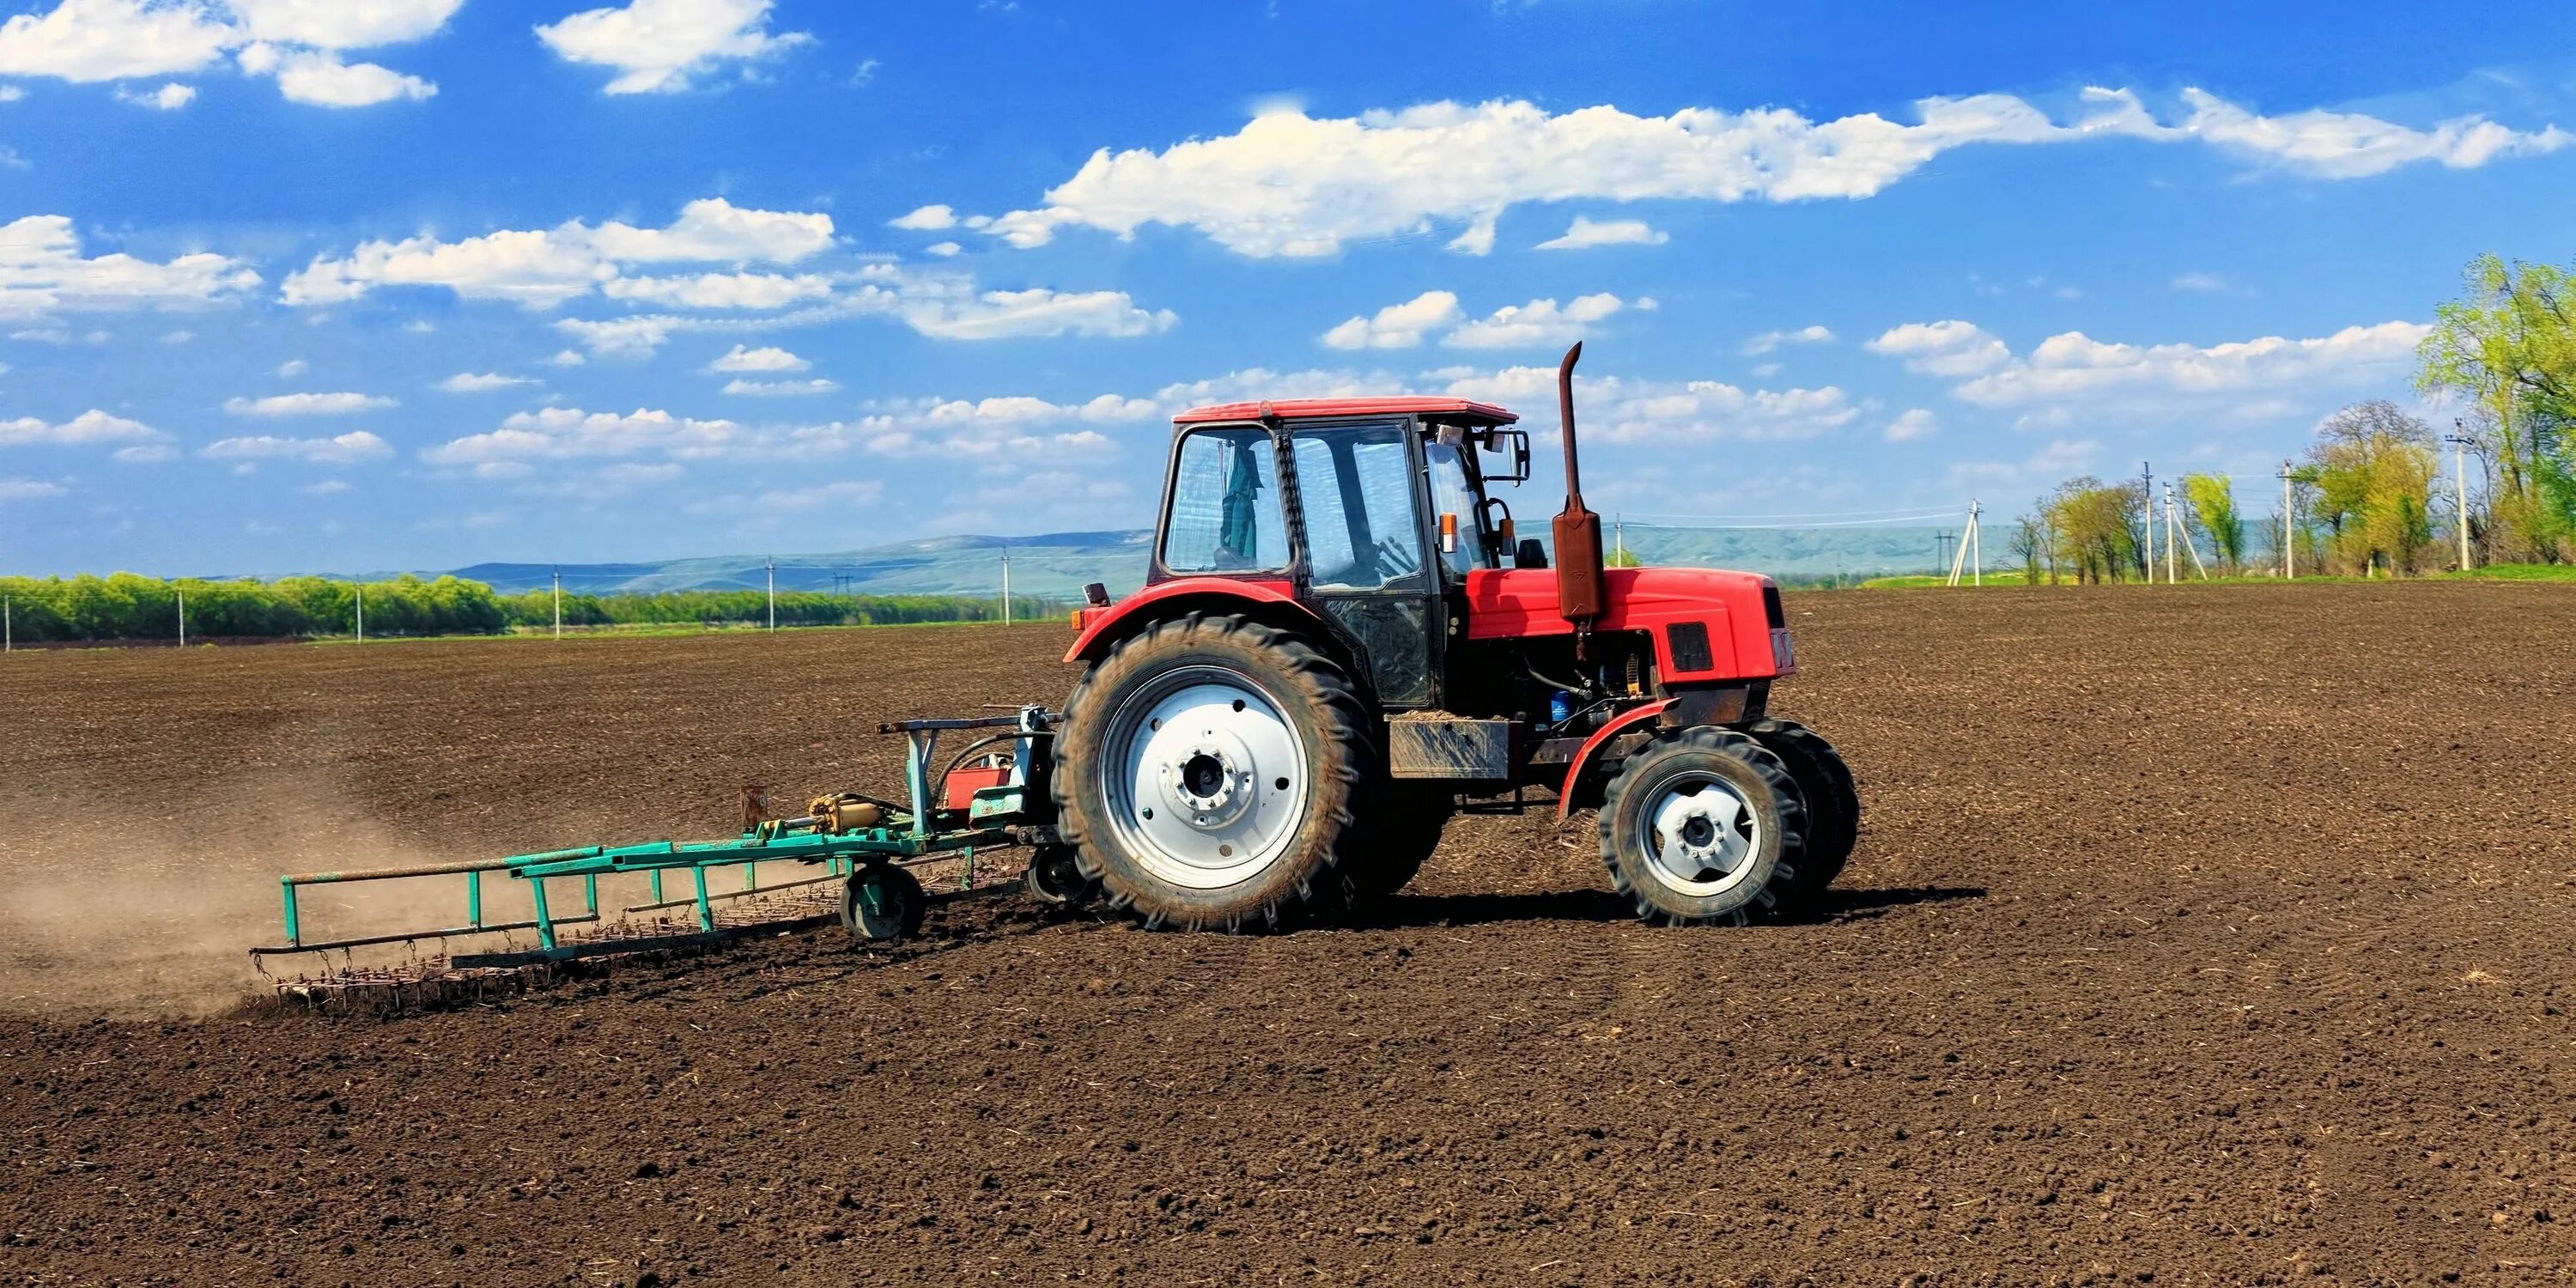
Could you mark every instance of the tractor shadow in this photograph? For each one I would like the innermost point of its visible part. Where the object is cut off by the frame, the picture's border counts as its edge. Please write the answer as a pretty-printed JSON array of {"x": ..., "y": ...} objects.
[{"x": 1838, "y": 907}]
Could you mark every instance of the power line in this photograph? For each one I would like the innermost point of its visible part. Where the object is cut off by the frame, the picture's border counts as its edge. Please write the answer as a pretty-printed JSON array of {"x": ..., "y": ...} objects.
[{"x": 1924, "y": 510}]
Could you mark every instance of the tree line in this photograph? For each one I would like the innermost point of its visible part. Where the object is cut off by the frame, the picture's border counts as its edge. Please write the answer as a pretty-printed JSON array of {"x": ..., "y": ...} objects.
[
  {"x": 2365, "y": 499},
  {"x": 124, "y": 606}
]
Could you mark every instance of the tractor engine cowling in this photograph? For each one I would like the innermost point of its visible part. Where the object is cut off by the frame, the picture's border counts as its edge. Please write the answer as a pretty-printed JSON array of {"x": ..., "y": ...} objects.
[{"x": 1706, "y": 625}]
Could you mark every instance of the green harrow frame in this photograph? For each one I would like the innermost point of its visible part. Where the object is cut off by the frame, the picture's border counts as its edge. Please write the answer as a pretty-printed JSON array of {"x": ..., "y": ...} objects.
[{"x": 882, "y": 900}]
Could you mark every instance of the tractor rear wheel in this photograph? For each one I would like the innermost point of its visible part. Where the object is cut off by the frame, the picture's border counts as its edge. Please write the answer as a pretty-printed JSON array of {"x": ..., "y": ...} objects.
[
  {"x": 1704, "y": 825},
  {"x": 1208, "y": 771},
  {"x": 1833, "y": 801}
]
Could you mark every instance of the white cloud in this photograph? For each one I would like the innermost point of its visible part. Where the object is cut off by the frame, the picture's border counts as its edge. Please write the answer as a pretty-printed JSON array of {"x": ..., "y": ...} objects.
[
  {"x": 466, "y": 382},
  {"x": 928, "y": 219},
  {"x": 98, "y": 40},
  {"x": 42, "y": 270},
  {"x": 11, "y": 93},
  {"x": 344, "y": 449},
  {"x": 338, "y": 404},
  {"x": 2048, "y": 465},
  {"x": 342, "y": 24},
  {"x": 1912, "y": 424},
  {"x": 320, "y": 78},
  {"x": 2073, "y": 374},
  {"x": 1616, "y": 409},
  {"x": 13, "y": 491},
  {"x": 942, "y": 249},
  {"x": 298, "y": 41},
  {"x": 1290, "y": 184},
  {"x": 1010, "y": 432},
  {"x": 1585, "y": 233},
  {"x": 1397, "y": 326},
  {"x": 2202, "y": 283},
  {"x": 779, "y": 388},
  {"x": 147, "y": 454},
  {"x": 838, "y": 492},
  {"x": 1770, "y": 340},
  {"x": 1950, "y": 348},
  {"x": 769, "y": 359},
  {"x": 327, "y": 487},
  {"x": 169, "y": 98},
  {"x": 941, "y": 306},
  {"x": 92, "y": 426},
  {"x": 292, "y": 367},
  {"x": 657, "y": 45},
  {"x": 567, "y": 358},
  {"x": 721, "y": 290},
  {"x": 565, "y": 433},
  {"x": 1539, "y": 322},
  {"x": 543, "y": 269}
]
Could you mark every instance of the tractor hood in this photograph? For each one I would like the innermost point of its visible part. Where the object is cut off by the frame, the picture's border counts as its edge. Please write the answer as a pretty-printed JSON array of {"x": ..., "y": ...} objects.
[{"x": 1707, "y": 625}]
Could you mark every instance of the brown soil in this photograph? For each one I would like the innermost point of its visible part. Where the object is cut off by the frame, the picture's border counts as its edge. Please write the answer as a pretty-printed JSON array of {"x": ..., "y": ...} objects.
[{"x": 2210, "y": 934}]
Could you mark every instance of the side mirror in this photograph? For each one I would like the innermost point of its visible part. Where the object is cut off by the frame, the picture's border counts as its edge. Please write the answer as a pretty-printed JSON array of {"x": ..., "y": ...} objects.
[
  {"x": 1530, "y": 555},
  {"x": 1513, "y": 445}
]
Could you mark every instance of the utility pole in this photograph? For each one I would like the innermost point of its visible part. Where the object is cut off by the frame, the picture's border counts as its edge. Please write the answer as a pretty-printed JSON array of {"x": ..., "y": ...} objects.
[
  {"x": 1977, "y": 540},
  {"x": 1619, "y": 538},
  {"x": 361, "y": 588},
  {"x": 773, "y": 594},
  {"x": 2289, "y": 538},
  {"x": 2460, "y": 475},
  {"x": 1941, "y": 549},
  {"x": 183, "y": 614},
  {"x": 8, "y": 628},
  {"x": 2147, "y": 500},
  {"x": 1006, "y": 585},
  {"x": 2170, "y": 525},
  {"x": 558, "y": 603}
]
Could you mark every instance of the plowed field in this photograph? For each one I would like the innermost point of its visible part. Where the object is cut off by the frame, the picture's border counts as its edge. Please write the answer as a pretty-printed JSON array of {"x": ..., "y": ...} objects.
[{"x": 2210, "y": 934}]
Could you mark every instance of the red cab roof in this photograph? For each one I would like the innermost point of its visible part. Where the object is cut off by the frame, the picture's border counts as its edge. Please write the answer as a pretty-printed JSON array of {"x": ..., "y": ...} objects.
[{"x": 1458, "y": 409}]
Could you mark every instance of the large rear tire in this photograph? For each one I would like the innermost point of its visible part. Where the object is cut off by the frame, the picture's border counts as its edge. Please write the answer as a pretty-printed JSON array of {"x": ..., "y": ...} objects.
[
  {"x": 1701, "y": 826},
  {"x": 1208, "y": 771},
  {"x": 1833, "y": 800}
]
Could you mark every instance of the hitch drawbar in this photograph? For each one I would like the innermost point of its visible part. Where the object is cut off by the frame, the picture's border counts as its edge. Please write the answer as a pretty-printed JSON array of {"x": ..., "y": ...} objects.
[{"x": 979, "y": 800}]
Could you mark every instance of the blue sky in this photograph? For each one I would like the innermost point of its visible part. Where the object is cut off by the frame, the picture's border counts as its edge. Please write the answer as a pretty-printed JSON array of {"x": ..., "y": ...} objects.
[{"x": 300, "y": 285}]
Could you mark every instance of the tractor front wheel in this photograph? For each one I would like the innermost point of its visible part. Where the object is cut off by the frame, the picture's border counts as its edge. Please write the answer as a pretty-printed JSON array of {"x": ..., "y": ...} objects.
[
  {"x": 1833, "y": 800},
  {"x": 1704, "y": 825},
  {"x": 1207, "y": 771}
]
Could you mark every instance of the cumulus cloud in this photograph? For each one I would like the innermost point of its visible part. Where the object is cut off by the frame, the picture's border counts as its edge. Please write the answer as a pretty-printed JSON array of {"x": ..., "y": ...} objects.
[
  {"x": 336, "y": 404},
  {"x": 543, "y": 269},
  {"x": 1397, "y": 326},
  {"x": 1949, "y": 348},
  {"x": 42, "y": 270},
  {"x": 1539, "y": 322},
  {"x": 1585, "y": 233},
  {"x": 1006, "y": 430},
  {"x": 941, "y": 306},
  {"x": 2072, "y": 373},
  {"x": 928, "y": 219},
  {"x": 1294, "y": 185},
  {"x": 13, "y": 491},
  {"x": 767, "y": 359},
  {"x": 779, "y": 388},
  {"x": 1911, "y": 424},
  {"x": 92, "y": 426},
  {"x": 343, "y": 449},
  {"x": 169, "y": 98},
  {"x": 1770, "y": 340},
  {"x": 298, "y": 41},
  {"x": 466, "y": 382},
  {"x": 657, "y": 45}
]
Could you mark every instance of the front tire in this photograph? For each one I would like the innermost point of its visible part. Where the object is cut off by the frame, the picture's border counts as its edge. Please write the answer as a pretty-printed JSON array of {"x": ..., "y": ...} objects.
[
  {"x": 1702, "y": 826},
  {"x": 1207, "y": 771}
]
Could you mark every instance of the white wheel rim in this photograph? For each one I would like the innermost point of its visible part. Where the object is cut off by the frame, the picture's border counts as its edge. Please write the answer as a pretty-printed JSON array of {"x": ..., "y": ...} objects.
[
  {"x": 1206, "y": 781},
  {"x": 1699, "y": 837}
]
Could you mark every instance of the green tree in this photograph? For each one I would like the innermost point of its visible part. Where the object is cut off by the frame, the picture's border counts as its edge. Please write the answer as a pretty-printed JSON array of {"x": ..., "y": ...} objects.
[
  {"x": 2213, "y": 517},
  {"x": 2372, "y": 468},
  {"x": 2096, "y": 528},
  {"x": 2508, "y": 347}
]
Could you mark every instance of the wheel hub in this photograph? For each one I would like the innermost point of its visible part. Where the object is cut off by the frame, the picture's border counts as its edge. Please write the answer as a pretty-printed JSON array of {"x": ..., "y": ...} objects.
[
  {"x": 1699, "y": 835},
  {"x": 1208, "y": 784}
]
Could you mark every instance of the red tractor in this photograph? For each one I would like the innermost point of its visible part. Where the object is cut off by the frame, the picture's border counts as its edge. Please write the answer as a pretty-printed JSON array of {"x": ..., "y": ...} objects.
[{"x": 1341, "y": 636}]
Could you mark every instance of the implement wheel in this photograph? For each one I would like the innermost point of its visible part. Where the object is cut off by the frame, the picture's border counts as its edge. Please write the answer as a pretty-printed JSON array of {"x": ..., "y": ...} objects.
[
  {"x": 1704, "y": 825},
  {"x": 883, "y": 903},
  {"x": 1833, "y": 800},
  {"x": 1055, "y": 878},
  {"x": 1208, "y": 769}
]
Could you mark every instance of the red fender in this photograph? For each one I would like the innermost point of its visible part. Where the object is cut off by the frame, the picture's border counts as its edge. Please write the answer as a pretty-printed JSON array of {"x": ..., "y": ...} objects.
[
  {"x": 1591, "y": 748},
  {"x": 1100, "y": 625}
]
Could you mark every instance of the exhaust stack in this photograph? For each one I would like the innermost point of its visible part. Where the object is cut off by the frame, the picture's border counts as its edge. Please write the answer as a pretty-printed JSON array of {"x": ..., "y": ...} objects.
[{"x": 1579, "y": 591}]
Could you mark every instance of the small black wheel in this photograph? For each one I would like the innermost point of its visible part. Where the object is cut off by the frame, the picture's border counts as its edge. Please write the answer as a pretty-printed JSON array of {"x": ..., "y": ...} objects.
[
  {"x": 1704, "y": 825},
  {"x": 1055, "y": 878},
  {"x": 1402, "y": 832},
  {"x": 883, "y": 903},
  {"x": 1833, "y": 799}
]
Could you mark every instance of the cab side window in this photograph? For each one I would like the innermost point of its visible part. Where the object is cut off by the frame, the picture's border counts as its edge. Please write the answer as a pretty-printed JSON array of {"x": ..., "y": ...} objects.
[
  {"x": 1355, "y": 490},
  {"x": 1225, "y": 505}
]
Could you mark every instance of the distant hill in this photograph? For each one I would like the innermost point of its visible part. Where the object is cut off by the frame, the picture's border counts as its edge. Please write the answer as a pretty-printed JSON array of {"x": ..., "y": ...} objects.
[{"x": 1057, "y": 564}]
